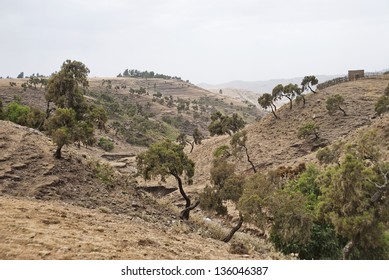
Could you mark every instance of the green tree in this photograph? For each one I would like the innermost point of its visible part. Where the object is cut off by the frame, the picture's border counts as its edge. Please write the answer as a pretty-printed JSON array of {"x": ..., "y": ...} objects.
[
  {"x": 266, "y": 101},
  {"x": 168, "y": 159},
  {"x": 20, "y": 76},
  {"x": 222, "y": 124},
  {"x": 354, "y": 200},
  {"x": 60, "y": 126},
  {"x": 309, "y": 81},
  {"x": 239, "y": 142},
  {"x": 333, "y": 104},
  {"x": 308, "y": 129},
  {"x": 289, "y": 91},
  {"x": 66, "y": 88}
]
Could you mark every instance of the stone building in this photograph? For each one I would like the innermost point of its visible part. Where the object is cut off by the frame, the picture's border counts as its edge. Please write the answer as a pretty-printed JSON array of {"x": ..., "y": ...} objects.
[{"x": 355, "y": 74}]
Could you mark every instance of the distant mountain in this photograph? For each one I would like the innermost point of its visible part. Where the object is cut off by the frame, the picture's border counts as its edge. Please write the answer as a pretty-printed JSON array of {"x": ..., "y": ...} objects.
[{"x": 262, "y": 86}]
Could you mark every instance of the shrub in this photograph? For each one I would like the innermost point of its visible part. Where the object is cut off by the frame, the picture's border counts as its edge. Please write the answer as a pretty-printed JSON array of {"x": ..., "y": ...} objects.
[{"x": 106, "y": 144}]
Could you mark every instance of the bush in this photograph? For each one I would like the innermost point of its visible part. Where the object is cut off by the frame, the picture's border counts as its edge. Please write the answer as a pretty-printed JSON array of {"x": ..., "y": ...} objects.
[
  {"x": 17, "y": 113},
  {"x": 105, "y": 144}
]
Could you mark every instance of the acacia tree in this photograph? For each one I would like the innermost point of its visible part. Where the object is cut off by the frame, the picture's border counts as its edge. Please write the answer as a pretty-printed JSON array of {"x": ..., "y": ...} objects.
[
  {"x": 309, "y": 81},
  {"x": 289, "y": 91},
  {"x": 168, "y": 159},
  {"x": 239, "y": 142},
  {"x": 266, "y": 101},
  {"x": 197, "y": 138},
  {"x": 222, "y": 124},
  {"x": 333, "y": 104}
]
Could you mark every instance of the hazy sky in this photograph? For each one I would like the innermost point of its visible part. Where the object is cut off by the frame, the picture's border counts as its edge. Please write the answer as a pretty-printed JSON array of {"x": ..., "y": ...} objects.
[{"x": 210, "y": 41}]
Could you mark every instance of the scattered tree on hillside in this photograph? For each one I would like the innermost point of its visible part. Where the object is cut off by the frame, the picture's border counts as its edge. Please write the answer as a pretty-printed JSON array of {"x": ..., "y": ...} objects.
[
  {"x": 289, "y": 91},
  {"x": 309, "y": 81},
  {"x": 182, "y": 139},
  {"x": 20, "y": 76},
  {"x": 168, "y": 159},
  {"x": 266, "y": 101},
  {"x": 66, "y": 89},
  {"x": 239, "y": 142},
  {"x": 226, "y": 185},
  {"x": 222, "y": 124},
  {"x": 308, "y": 129},
  {"x": 333, "y": 104},
  {"x": 60, "y": 126}
]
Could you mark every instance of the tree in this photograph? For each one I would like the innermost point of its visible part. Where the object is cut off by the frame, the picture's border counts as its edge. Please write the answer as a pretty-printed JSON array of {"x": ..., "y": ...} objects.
[
  {"x": 222, "y": 124},
  {"x": 354, "y": 202},
  {"x": 333, "y": 104},
  {"x": 308, "y": 129},
  {"x": 168, "y": 159},
  {"x": 239, "y": 142},
  {"x": 60, "y": 127},
  {"x": 20, "y": 76},
  {"x": 309, "y": 81},
  {"x": 182, "y": 139},
  {"x": 289, "y": 91},
  {"x": 266, "y": 101},
  {"x": 66, "y": 88}
]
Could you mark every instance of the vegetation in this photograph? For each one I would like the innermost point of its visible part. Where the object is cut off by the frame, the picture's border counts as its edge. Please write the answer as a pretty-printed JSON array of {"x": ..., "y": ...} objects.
[
  {"x": 73, "y": 119},
  {"x": 266, "y": 100},
  {"x": 382, "y": 104},
  {"x": 146, "y": 74},
  {"x": 239, "y": 142},
  {"x": 308, "y": 82},
  {"x": 308, "y": 129},
  {"x": 22, "y": 114},
  {"x": 106, "y": 144},
  {"x": 222, "y": 124},
  {"x": 333, "y": 104},
  {"x": 168, "y": 159}
]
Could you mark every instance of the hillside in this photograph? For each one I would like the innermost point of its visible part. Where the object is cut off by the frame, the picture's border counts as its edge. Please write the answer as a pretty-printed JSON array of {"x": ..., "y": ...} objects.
[
  {"x": 74, "y": 208},
  {"x": 274, "y": 143},
  {"x": 90, "y": 204},
  {"x": 145, "y": 110}
]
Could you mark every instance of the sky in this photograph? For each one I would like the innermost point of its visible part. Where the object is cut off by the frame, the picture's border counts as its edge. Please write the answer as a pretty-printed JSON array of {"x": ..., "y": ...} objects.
[{"x": 210, "y": 41}]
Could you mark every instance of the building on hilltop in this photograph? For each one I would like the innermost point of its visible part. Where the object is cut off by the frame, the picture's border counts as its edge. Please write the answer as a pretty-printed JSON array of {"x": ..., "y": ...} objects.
[{"x": 355, "y": 74}]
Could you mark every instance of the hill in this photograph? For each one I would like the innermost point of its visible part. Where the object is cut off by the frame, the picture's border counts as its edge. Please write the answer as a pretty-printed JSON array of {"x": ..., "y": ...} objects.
[
  {"x": 274, "y": 143},
  {"x": 79, "y": 208},
  {"x": 145, "y": 110}
]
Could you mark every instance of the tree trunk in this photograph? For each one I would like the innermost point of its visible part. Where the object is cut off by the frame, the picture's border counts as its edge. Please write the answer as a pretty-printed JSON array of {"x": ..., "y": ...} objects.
[
  {"x": 274, "y": 110},
  {"x": 185, "y": 213},
  {"x": 344, "y": 112},
  {"x": 234, "y": 229},
  {"x": 58, "y": 153},
  {"x": 347, "y": 250},
  {"x": 311, "y": 89},
  {"x": 191, "y": 145},
  {"x": 248, "y": 159}
]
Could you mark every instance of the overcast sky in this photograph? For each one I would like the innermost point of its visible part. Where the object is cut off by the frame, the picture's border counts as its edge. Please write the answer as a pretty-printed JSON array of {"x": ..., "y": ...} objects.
[{"x": 209, "y": 41}]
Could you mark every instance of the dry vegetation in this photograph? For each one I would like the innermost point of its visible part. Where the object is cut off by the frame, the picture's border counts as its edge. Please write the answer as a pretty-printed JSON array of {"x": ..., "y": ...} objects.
[{"x": 81, "y": 207}]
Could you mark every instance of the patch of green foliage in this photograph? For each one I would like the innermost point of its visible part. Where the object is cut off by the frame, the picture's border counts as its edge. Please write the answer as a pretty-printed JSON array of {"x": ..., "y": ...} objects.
[{"x": 106, "y": 144}]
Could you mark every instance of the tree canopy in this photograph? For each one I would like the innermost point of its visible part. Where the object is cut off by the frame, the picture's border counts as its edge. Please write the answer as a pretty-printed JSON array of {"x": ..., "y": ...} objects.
[{"x": 165, "y": 159}]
